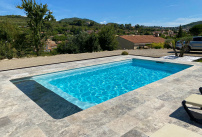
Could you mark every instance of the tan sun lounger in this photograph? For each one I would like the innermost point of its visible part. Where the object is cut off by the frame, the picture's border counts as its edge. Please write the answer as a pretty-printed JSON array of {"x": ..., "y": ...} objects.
[
  {"x": 195, "y": 100},
  {"x": 171, "y": 130}
]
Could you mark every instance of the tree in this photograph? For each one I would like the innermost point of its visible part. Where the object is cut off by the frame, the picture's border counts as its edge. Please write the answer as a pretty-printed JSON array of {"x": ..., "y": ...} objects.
[
  {"x": 68, "y": 46},
  {"x": 38, "y": 15},
  {"x": 147, "y": 33},
  {"x": 21, "y": 44},
  {"x": 128, "y": 26},
  {"x": 107, "y": 38},
  {"x": 80, "y": 41},
  {"x": 171, "y": 43},
  {"x": 137, "y": 26},
  {"x": 93, "y": 43},
  {"x": 59, "y": 38},
  {"x": 92, "y": 23},
  {"x": 8, "y": 32},
  {"x": 11, "y": 40},
  {"x": 184, "y": 42},
  {"x": 196, "y": 30},
  {"x": 121, "y": 26},
  {"x": 79, "y": 22},
  {"x": 180, "y": 32}
]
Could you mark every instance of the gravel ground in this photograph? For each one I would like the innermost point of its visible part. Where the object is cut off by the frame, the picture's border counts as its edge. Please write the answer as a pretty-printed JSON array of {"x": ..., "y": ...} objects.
[{"x": 37, "y": 61}]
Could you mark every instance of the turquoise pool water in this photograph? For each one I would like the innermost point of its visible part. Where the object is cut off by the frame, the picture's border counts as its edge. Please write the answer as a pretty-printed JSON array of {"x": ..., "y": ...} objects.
[{"x": 89, "y": 86}]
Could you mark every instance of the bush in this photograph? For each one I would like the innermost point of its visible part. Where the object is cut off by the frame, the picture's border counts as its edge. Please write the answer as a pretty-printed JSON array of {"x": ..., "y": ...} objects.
[
  {"x": 124, "y": 53},
  {"x": 54, "y": 52},
  {"x": 167, "y": 46},
  {"x": 157, "y": 45},
  {"x": 67, "y": 47},
  {"x": 107, "y": 38},
  {"x": 148, "y": 45},
  {"x": 80, "y": 41},
  {"x": 5, "y": 50},
  {"x": 92, "y": 43},
  {"x": 170, "y": 43},
  {"x": 59, "y": 38}
]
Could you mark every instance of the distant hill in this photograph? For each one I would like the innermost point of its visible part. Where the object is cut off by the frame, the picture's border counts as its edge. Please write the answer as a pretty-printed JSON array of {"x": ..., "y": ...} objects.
[
  {"x": 70, "y": 20},
  {"x": 15, "y": 19},
  {"x": 19, "y": 20},
  {"x": 22, "y": 21},
  {"x": 192, "y": 24}
]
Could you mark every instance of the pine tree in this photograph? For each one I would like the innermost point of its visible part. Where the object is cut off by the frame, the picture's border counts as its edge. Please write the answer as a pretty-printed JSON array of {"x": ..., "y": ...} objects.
[{"x": 180, "y": 32}]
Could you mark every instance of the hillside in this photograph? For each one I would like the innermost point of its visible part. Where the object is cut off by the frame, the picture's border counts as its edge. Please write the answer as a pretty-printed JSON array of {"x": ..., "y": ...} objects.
[
  {"x": 70, "y": 20},
  {"x": 192, "y": 24},
  {"x": 22, "y": 21},
  {"x": 15, "y": 19}
]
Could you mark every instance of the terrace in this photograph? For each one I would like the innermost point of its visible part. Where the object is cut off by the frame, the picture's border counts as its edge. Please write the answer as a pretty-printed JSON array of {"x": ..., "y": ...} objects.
[{"x": 137, "y": 113}]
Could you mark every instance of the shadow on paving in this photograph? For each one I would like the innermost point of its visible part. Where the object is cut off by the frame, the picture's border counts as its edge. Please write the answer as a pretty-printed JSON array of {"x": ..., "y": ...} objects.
[
  {"x": 56, "y": 106},
  {"x": 182, "y": 115}
]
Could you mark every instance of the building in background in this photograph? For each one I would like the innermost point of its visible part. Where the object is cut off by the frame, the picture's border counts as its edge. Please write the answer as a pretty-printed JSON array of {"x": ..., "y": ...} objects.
[{"x": 134, "y": 41}]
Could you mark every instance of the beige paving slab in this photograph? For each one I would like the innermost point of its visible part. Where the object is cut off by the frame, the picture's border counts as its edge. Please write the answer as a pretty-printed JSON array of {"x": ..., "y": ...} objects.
[
  {"x": 34, "y": 132},
  {"x": 122, "y": 124}
]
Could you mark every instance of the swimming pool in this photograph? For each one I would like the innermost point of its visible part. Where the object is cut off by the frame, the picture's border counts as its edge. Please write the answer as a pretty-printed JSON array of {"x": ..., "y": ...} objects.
[{"x": 89, "y": 86}]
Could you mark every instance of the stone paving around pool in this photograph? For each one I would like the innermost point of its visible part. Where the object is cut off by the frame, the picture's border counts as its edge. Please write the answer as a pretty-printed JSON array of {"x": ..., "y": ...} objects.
[{"x": 137, "y": 113}]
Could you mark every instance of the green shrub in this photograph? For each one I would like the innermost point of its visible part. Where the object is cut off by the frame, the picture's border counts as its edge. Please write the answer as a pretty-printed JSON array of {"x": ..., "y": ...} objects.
[
  {"x": 54, "y": 52},
  {"x": 107, "y": 38},
  {"x": 124, "y": 53},
  {"x": 167, "y": 46},
  {"x": 167, "y": 43},
  {"x": 157, "y": 45},
  {"x": 59, "y": 38},
  {"x": 5, "y": 50},
  {"x": 10, "y": 54}
]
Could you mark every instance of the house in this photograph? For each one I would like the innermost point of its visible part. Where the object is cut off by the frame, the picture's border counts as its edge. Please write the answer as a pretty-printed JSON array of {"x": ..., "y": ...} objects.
[
  {"x": 170, "y": 33},
  {"x": 157, "y": 33},
  {"x": 134, "y": 41},
  {"x": 50, "y": 45}
]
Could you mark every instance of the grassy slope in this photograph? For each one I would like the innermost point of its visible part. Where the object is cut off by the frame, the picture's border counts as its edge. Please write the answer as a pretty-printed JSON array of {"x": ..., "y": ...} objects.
[{"x": 15, "y": 19}]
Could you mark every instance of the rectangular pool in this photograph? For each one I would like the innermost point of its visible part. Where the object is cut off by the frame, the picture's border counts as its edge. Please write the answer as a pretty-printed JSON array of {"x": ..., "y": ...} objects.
[{"x": 89, "y": 86}]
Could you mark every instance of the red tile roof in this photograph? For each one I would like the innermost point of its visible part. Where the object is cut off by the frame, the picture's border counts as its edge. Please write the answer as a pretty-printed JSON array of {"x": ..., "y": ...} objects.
[{"x": 143, "y": 38}]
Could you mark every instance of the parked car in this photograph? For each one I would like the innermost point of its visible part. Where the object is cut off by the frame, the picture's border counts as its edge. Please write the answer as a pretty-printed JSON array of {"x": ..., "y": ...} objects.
[
  {"x": 178, "y": 45},
  {"x": 195, "y": 44}
]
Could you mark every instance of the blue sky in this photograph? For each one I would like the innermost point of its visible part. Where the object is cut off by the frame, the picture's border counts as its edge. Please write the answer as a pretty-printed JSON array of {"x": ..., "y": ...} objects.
[{"x": 143, "y": 12}]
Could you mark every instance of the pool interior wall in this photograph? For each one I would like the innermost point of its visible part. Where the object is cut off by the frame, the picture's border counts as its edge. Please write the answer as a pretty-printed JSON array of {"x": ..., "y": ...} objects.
[{"x": 64, "y": 93}]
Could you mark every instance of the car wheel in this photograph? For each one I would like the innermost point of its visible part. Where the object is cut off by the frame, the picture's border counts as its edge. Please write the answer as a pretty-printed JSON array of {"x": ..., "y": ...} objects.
[{"x": 188, "y": 49}]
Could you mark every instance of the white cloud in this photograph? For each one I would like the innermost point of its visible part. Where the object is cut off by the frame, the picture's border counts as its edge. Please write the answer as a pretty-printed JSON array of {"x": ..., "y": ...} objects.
[
  {"x": 104, "y": 22},
  {"x": 173, "y": 5},
  {"x": 174, "y": 23}
]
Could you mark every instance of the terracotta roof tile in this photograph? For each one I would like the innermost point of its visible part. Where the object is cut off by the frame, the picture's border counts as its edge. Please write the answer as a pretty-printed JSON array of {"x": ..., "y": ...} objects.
[{"x": 143, "y": 38}]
